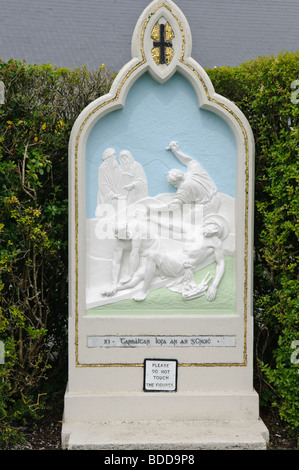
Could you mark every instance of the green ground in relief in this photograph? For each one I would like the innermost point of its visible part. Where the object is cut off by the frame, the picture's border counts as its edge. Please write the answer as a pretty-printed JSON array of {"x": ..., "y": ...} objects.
[{"x": 162, "y": 301}]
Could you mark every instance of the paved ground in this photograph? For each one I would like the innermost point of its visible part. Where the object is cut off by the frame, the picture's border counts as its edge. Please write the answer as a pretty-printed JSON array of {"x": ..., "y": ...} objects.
[{"x": 45, "y": 435}]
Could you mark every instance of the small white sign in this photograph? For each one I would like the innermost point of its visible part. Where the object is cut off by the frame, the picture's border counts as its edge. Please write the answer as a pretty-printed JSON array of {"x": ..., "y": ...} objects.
[{"x": 160, "y": 375}]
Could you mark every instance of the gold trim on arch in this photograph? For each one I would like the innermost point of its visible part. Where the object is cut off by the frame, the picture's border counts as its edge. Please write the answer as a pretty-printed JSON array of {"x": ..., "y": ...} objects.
[{"x": 143, "y": 61}]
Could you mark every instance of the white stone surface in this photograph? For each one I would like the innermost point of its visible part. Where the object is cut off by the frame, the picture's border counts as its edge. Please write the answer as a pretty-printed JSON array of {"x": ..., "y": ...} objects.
[
  {"x": 160, "y": 406},
  {"x": 167, "y": 435},
  {"x": 215, "y": 406}
]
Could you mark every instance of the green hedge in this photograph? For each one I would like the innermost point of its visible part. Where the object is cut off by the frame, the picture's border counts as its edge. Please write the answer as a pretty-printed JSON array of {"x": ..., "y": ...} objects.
[
  {"x": 41, "y": 104},
  {"x": 264, "y": 90}
]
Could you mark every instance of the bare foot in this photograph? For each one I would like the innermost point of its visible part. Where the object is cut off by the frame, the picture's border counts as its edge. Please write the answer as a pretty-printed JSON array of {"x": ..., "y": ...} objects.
[
  {"x": 110, "y": 292},
  {"x": 141, "y": 296}
]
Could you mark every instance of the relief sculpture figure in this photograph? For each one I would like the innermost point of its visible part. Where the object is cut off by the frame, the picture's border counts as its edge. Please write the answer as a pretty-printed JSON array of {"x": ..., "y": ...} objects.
[
  {"x": 132, "y": 241},
  {"x": 125, "y": 181},
  {"x": 161, "y": 240},
  {"x": 109, "y": 175},
  {"x": 133, "y": 182},
  {"x": 194, "y": 186},
  {"x": 179, "y": 267}
]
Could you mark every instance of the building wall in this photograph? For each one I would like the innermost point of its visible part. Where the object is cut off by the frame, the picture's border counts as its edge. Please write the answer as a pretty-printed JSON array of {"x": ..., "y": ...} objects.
[{"x": 71, "y": 33}]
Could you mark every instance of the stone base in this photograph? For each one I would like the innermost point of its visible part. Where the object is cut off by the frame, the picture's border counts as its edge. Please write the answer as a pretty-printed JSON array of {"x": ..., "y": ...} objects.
[
  {"x": 164, "y": 421},
  {"x": 166, "y": 435}
]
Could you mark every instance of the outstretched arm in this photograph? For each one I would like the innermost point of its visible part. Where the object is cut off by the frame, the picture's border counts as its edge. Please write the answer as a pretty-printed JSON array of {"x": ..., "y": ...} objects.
[
  {"x": 220, "y": 266},
  {"x": 182, "y": 157}
]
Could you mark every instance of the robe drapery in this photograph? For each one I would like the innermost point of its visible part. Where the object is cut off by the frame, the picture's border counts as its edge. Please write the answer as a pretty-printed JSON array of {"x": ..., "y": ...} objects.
[
  {"x": 132, "y": 172},
  {"x": 197, "y": 186},
  {"x": 113, "y": 179},
  {"x": 109, "y": 174}
]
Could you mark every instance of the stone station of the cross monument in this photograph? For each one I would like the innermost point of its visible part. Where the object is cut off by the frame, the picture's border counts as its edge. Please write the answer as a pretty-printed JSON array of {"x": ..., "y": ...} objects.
[{"x": 161, "y": 184}]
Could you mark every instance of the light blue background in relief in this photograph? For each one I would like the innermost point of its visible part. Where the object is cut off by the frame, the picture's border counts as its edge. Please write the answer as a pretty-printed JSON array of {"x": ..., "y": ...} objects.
[{"x": 154, "y": 115}]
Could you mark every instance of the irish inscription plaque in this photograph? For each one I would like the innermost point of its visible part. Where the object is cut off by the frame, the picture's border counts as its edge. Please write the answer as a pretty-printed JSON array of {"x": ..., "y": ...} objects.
[{"x": 158, "y": 341}]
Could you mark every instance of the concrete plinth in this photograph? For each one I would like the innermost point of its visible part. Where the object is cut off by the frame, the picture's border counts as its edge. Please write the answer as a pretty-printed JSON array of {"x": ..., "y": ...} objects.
[
  {"x": 166, "y": 435},
  {"x": 163, "y": 421}
]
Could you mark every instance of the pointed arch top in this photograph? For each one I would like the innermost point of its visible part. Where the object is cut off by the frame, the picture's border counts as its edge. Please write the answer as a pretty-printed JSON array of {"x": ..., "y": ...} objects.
[{"x": 175, "y": 42}]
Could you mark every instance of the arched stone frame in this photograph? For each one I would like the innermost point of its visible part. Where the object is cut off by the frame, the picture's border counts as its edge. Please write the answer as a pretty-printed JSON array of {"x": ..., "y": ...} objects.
[{"x": 182, "y": 62}]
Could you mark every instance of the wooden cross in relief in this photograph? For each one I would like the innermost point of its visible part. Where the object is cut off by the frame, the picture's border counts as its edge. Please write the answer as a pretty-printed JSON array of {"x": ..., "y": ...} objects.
[{"x": 162, "y": 44}]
